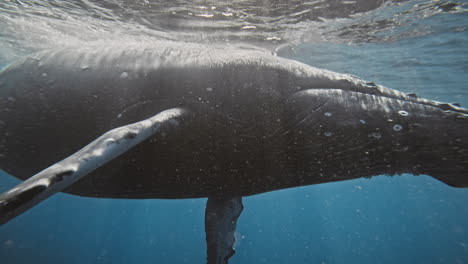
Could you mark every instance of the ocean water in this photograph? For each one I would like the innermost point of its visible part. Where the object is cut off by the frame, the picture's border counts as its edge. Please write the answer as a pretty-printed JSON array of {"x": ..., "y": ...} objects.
[{"x": 411, "y": 46}]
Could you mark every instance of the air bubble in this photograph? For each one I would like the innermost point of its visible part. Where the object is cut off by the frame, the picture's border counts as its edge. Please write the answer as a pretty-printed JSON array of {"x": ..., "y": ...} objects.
[
  {"x": 397, "y": 128},
  {"x": 124, "y": 75},
  {"x": 376, "y": 135},
  {"x": 403, "y": 113}
]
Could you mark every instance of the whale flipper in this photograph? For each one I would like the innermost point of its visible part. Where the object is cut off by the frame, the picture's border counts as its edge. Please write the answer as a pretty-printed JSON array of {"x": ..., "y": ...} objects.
[
  {"x": 220, "y": 225},
  {"x": 64, "y": 173}
]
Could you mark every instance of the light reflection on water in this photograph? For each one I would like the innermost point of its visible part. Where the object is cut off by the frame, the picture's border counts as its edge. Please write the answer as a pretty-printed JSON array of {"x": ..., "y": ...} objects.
[{"x": 33, "y": 25}]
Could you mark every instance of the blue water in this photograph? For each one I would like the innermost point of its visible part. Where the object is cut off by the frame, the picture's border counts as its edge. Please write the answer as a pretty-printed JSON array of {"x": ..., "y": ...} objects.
[{"x": 400, "y": 219}]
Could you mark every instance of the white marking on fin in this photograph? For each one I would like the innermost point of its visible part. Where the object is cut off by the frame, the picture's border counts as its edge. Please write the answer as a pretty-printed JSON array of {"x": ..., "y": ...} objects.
[{"x": 66, "y": 172}]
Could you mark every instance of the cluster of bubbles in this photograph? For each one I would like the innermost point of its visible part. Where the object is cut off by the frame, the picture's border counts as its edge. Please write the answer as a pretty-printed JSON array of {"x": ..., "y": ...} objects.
[{"x": 376, "y": 135}]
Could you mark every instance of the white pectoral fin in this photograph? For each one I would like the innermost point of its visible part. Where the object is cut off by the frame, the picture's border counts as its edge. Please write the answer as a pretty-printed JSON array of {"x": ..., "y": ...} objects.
[
  {"x": 64, "y": 173},
  {"x": 220, "y": 225}
]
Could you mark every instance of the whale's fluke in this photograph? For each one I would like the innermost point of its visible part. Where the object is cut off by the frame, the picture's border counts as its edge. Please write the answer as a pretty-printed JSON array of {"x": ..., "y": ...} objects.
[
  {"x": 220, "y": 225},
  {"x": 64, "y": 173}
]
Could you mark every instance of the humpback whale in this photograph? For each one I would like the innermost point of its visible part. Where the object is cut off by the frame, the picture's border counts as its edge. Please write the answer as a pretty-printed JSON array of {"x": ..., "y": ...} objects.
[{"x": 178, "y": 120}]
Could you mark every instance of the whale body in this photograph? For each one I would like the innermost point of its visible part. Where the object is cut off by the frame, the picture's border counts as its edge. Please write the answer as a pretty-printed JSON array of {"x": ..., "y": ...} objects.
[{"x": 251, "y": 123}]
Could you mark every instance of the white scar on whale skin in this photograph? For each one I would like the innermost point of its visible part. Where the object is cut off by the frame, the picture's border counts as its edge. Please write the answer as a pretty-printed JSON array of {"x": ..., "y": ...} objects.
[{"x": 97, "y": 153}]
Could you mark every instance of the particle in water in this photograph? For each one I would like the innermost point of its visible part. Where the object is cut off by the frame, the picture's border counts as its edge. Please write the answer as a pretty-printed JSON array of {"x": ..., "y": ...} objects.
[
  {"x": 8, "y": 243},
  {"x": 362, "y": 121},
  {"x": 124, "y": 75},
  {"x": 328, "y": 134},
  {"x": 328, "y": 114},
  {"x": 403, "y": 113},
  {"x": 209, "y": 89},
  {"x": 397, "y": 127}
]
